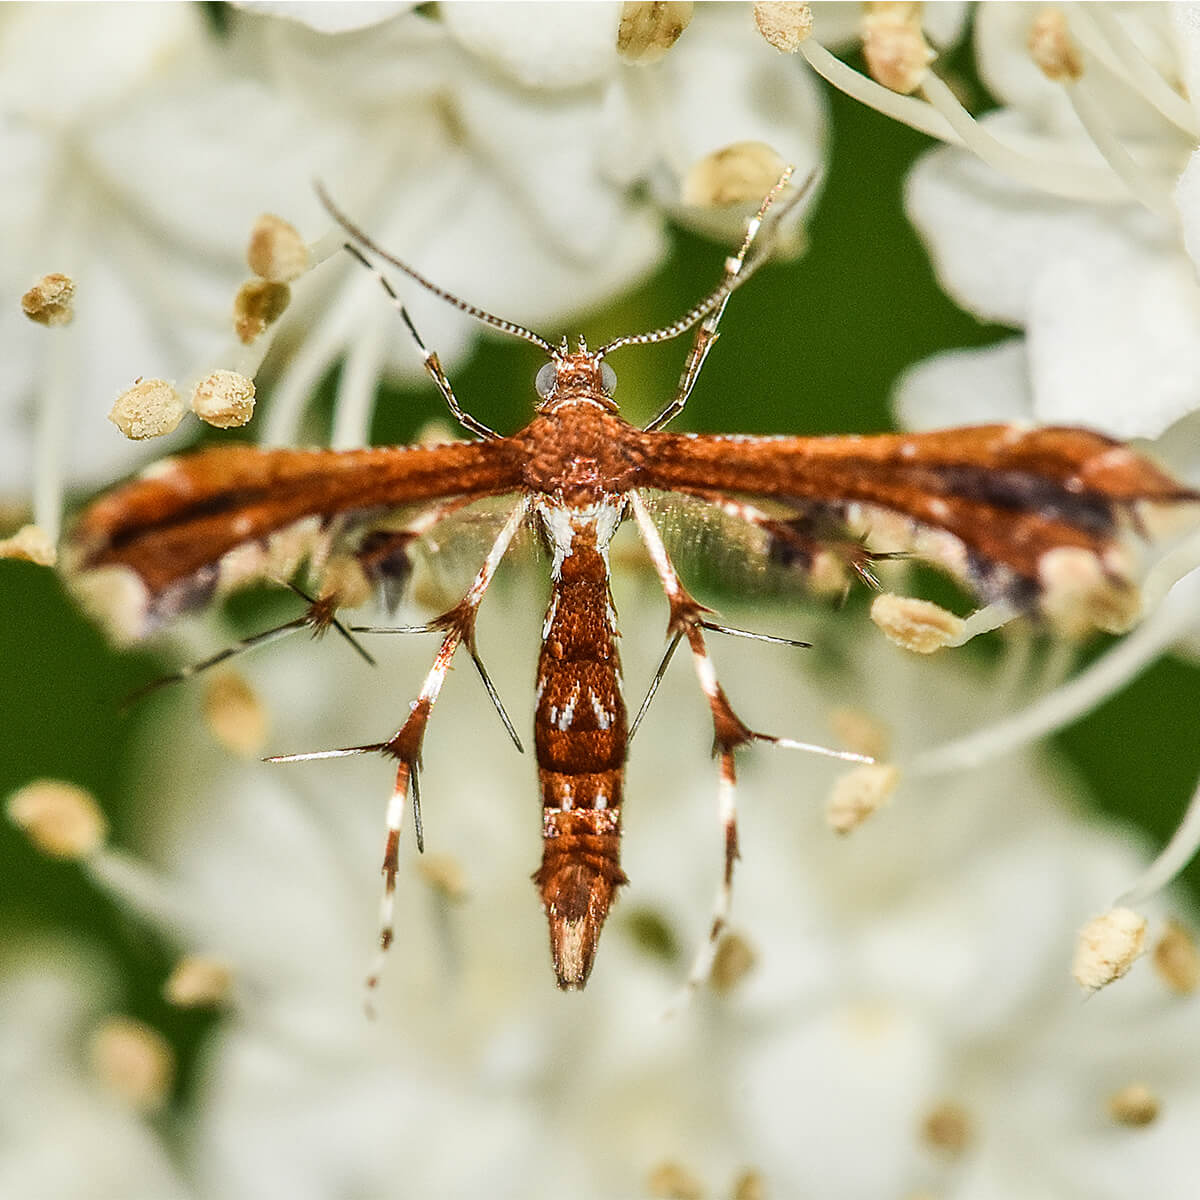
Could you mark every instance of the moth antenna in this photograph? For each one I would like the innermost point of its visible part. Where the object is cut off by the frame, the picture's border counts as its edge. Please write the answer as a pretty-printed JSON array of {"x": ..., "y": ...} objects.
[
  {"x": 433, "y": 366},
  {"x": 470, "y": 309},
  {"x": 494, "y": 696},
  {"x": 738, "y": 270},
  {"x": 664, "y": 663},
  {"x": 247, "y": 643}
]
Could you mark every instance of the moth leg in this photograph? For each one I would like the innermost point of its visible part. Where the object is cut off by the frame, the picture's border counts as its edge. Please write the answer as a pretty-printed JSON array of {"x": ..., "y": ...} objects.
[
  {"x": 405, "y": 744},
  {"x": 729, "y": 732},
  {"x": 433, "y": 366}
]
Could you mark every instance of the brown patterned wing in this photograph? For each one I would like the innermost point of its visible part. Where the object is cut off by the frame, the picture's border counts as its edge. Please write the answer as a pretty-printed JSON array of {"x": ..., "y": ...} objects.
[
  {"x": 991, "y": 503},
  {"x": 163, "y": 541}
]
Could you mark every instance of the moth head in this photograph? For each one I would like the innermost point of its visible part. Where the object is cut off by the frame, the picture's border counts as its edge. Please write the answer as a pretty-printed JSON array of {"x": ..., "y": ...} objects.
[{"x": 575, "y": 377}]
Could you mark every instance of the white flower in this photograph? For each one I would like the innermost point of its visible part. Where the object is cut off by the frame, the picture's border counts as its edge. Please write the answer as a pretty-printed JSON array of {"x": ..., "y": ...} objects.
[
  {"x": 921, "y": 963},
  {"x": 1102, "y": 282},
  {"x": 66, "y": 1132},
  {"x": 524, "y": 140},
  {"x": 515, "y": 138}
]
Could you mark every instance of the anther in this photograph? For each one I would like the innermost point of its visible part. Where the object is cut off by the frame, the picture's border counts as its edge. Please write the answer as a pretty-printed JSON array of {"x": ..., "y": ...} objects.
[
  {"x": 1176, "y": 959},
  {"x": 276, "y": 251},
  {"x": 738, "y": 174},
  {"x": 60, "y": 819},
  {"x": 1108, "y": 946},
  {"x": 30, "y": 544},
  {"x": 49, "y": 301},
  {"x": 198, "y": 981},
  {"x": 258, "y": 304},
  {"x": 151, "y": 408},
  {"x": 947, "y": 1128},
  {"x": 860, "y": 793},
  {"x": 648, "y": 30},
  {"x": 897, "y": 54},
  {"x": 917, "y": 625},
  {"x": 784, "y": 25},
  {"x": 673, "y": 1181},
  {"x": 1135, "y": 1105},
  {"x": 224, "y": 399},
  {"x": 1052, "y": 48},
  {"x": 235, "y": 714},
  {"x": 133, "y": 1061},
  {"x": 734, "y": 959}
]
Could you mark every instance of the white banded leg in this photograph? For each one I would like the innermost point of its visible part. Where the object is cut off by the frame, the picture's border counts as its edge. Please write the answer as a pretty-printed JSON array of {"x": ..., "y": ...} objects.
[
  {"x": 728, "y": 731},
  {"x": 405, "y": 744}
]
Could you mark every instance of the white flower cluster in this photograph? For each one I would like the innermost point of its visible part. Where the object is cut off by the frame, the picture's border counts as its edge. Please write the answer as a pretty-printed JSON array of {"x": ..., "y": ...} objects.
[
  {"x": 140, "y": 144},
  {"x": 894, "y": 1014}
]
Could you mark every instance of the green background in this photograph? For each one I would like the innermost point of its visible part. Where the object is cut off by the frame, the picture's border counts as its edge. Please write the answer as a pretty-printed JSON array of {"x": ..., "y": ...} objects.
[{"x": 813, "y": 346}]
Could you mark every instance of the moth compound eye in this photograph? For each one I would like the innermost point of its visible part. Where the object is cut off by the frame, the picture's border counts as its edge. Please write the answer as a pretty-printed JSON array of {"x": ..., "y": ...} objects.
[
  {"x": 608, "y": 379},
  {"x": 544, "y": 380}
]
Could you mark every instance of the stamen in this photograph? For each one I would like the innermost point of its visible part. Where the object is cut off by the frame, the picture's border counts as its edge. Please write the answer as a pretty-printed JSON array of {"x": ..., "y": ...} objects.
[
  {"x": 739, "y": 174},
  {"x": 648, "y": 30},
  {"x": 276, "y": 252},
  {"x": 305, "y": 370},
  {"x": 134, "y": 1061},
  {"x": 142, "y": 890},
  {"x": 894, "y": 45},
  {"x": 916, "y": 114},
  {"x": 59, "y": 376},
  {"x": 1108, "y": 946},
  {"x": 1176, "y": 959},
  {"x": 1052, "y": 48},
  {"x": 49, "y": 301},
  {"x": 734, "y": 960},
  {"x": 984, "y": 620},
  {"x": 1174, "y": 617},
  {"x": 1172, "y": 859},
  {"x": 1134, "y": 1105},
  {"x": 199, "y": 981},
  {"x": 1146, "y": 189},
  {"x": 1058, "y": 57},
  {"x": 224, "y": 399},
  {"x": 234, "y": 714},
  {"x": 257, "y": 305},
  {"x": 1075, "y": 181},
  {"x": 61, "y": 819},
  {"x": 859, "y": 794},
  {"x": 357, "y": 387},
  {"x": 749, "y": 1185},
  {"x": 916, "y": 625},
  {"x": 947, "y": 1128},
  {"x": 446, "y": 875},
  {"x": 859, "y": 731},
  {"x": 784, "y": 25},
  {"x": 149, "y": 409},
  {"x": 30, "y": 544},
  {"x": 1102, "y": 35},
  {"x": 1080, "y": 593},
  {"x": 674, "y": 1181}
]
